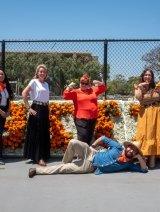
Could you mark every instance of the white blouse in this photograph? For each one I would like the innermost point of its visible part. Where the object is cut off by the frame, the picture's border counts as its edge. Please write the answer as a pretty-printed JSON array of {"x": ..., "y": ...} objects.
[
  {"x": 4, "y": 97},
  {"x": 39, "y": 90}
]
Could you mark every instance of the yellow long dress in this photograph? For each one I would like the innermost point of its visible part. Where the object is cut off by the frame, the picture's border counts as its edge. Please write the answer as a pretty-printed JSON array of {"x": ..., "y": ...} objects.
[{"x": 148, "y": 124}]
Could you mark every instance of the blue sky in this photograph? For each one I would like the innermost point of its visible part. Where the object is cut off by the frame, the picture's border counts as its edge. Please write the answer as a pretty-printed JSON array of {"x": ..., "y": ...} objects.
[{"x": 79, "y": 19}]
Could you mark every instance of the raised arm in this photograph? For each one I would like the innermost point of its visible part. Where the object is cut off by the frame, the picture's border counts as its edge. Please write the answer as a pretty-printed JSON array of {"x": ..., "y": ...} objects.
[
  {"x": 138, "y": 92},
  {"x": 99, "y": 86},
  {"x": 107, "y": 141},
  {"x": 97, "y": 142},
  {"x": 142, "y": 162},
  {"x": 69, "y": 93},
  {"x": 140, "y": 89}
]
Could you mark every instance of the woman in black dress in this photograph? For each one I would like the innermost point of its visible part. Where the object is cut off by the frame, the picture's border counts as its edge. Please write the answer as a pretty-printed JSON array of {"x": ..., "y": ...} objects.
[
  {"x": 37, "y": 145},
  {"x": 6, "y": 95}
]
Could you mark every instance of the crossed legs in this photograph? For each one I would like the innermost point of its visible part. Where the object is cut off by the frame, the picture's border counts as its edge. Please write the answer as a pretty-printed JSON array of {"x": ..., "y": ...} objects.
[{"x": 68, "y": 166}]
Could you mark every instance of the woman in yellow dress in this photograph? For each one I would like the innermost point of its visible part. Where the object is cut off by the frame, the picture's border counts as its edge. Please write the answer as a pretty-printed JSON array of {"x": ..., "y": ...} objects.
[{"x": 148, "y": 125}]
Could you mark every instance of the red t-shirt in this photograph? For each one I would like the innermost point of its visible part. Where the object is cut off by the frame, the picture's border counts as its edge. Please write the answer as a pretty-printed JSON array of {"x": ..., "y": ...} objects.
[{"x": 85, "y": 102}]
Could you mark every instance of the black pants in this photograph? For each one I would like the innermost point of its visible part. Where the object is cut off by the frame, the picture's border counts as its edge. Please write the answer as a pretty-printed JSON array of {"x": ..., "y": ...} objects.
[
  {"x": 2, "y": 123},
  {"x": 85, "y": 129},
  {"x": 1, "y": 146}
]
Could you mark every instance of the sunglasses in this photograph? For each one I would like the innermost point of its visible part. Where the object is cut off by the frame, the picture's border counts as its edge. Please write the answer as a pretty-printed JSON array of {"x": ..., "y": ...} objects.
[{"x": 83, "y": 83}]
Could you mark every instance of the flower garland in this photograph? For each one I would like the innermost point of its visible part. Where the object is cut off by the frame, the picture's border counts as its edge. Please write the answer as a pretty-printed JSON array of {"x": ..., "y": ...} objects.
[
  {"x": 105, "y": 125},
  {"x": 16, "y": 124},
  {"x": 134, "y": 109},
  {"x": 59, "y": 136}
]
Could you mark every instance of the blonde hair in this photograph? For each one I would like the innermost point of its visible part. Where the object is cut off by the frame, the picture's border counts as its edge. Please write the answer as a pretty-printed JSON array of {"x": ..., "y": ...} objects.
[{"x": 37, "y": 70}]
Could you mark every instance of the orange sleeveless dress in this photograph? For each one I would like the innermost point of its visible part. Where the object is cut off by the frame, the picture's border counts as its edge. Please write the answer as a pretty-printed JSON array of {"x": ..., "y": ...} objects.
[{"x": 148, "y": 124}]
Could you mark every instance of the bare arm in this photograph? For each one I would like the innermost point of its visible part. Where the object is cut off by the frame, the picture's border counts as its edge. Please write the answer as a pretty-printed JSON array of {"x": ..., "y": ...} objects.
[
  {"x": 141, "y": 162},
  {"x": 25, "y": 95},
  {"x": 100, "y": 87},
  {"x": 140, "y": 89},
  {"x": 138, "y": 92},
  {"x": 97, "y": 83},
  {"x": 69, "y": 92}
]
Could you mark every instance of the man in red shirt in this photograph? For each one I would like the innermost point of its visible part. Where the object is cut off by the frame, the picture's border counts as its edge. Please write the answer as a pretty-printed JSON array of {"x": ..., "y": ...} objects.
[{"x": 85, "y": 106}]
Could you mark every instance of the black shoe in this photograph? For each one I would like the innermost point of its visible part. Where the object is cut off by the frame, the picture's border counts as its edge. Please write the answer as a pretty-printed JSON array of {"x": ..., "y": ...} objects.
[
  {"x": 32, "y": 172},
  {"x": 30, "y": 162},
  {"x": 2, "y": 162}
]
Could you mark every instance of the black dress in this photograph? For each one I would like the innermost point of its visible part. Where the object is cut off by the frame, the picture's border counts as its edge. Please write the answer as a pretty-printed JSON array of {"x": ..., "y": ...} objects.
[
  {"x": 5, "y": 109},
  {"x": 37, "y": 144}
]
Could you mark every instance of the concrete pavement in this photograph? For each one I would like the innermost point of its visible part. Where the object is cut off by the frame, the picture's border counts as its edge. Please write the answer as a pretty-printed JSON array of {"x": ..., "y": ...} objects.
[{"x": 88, "y": 192}]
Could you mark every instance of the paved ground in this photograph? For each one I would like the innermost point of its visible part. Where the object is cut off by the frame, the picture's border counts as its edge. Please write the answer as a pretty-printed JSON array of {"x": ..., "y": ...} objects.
[{"x": 78, "y": 193}]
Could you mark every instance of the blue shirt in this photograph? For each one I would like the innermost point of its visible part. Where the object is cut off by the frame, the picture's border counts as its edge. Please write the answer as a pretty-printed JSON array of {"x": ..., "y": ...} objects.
[{"x": 106, "y": 161}]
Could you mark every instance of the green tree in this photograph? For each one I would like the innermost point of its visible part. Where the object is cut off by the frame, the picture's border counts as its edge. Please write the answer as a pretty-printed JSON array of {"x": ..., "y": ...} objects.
[
  {"x": 120, "y": 85},
  {"x": 63, "y": 67}
]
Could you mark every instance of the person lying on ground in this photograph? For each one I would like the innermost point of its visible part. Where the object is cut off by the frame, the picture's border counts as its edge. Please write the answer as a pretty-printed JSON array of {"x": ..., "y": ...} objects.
[{"x": 113, "y": 158}]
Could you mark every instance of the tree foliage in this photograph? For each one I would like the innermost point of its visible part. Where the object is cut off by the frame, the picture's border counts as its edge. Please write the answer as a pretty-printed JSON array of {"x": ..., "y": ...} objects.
[
  {"x": 63, "y": 67},
  {"x": 120, "y": 85},
  {"x": 152, "y": 60}
]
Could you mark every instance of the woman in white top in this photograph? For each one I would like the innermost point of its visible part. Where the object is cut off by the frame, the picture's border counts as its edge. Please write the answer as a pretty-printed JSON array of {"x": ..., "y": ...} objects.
[
  {"x": 37, "y": 144},
  {"x": 6, "y": 95}
]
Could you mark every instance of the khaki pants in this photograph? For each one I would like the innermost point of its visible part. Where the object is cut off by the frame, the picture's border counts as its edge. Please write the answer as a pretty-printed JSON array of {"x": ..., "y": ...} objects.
[{"x": 83, "y": 165}]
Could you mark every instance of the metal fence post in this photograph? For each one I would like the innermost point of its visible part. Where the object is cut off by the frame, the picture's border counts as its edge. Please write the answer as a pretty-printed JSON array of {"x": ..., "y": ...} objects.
[
  {"x": 105, "y": 62},
  {"x": 3, "y": 55}
]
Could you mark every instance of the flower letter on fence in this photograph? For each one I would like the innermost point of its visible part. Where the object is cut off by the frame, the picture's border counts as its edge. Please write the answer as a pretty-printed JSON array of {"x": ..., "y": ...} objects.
[
  {"x": 105, "y": 125},
  {"x": 16, "y": 124}
]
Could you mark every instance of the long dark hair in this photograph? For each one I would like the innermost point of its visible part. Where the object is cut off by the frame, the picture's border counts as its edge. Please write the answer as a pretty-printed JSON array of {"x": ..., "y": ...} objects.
[
  {"x": 152, "y": 84},
  {"x": 8, "y": 86}
]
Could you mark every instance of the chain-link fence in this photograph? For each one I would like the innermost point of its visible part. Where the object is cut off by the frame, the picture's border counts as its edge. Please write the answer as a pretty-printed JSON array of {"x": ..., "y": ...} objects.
[
  {"x": 118, "y": 62},
  {"x": 127, "y": 59},
  {"x": 0, "y": 52}
]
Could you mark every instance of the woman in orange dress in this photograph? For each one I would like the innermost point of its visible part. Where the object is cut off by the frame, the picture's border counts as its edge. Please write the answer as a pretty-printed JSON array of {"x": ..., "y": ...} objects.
[{"x": 148, "y": 132}]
